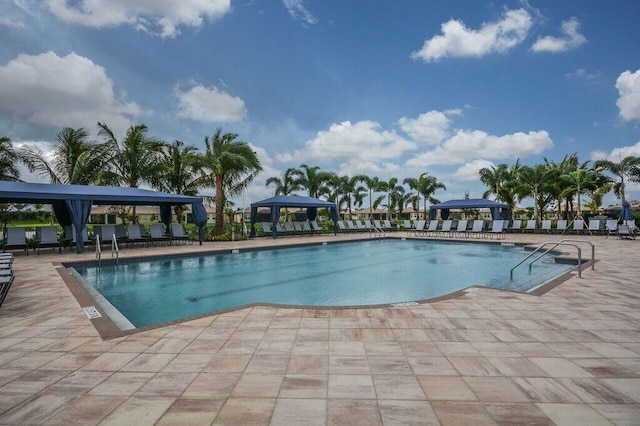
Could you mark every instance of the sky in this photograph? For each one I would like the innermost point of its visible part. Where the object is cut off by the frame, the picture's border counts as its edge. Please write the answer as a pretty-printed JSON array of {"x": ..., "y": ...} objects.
[{"x": 386, "y": 88}]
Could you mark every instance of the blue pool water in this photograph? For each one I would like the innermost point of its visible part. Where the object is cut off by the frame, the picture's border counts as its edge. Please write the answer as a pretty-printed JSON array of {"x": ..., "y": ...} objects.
[{"x": 345, "y": 274}]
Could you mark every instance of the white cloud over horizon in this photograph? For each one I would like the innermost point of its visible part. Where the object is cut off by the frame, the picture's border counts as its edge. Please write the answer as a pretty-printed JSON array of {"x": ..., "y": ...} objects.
[
  {"x": 470, "y": 171},
  {"x": 571, "y": 39},
  {"x": 430, "y": 128},
  {"x": 628, "y": 85},
  {"x": 618, "y": 153},
  {"x": 209, "y": 104},
  {"x": 63, "y": 91},
  {"x": 458, "y": 41},
  {"x": 158, "y": 17}
]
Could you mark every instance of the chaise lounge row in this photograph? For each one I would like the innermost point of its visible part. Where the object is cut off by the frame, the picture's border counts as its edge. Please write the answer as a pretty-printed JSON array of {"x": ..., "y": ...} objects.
[{"x": 6, "y": 275}]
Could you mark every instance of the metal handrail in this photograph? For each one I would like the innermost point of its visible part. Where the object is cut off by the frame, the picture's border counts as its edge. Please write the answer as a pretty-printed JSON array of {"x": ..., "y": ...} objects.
[
  {"x": 376, "y": 230},
  {"x": 114, "y": 248},
  {"x": 593, "y": 250},
  {"x": 555, "y": 244},
  {"x": 566, "y": 242},
  {"x": 98, "y": 249}
]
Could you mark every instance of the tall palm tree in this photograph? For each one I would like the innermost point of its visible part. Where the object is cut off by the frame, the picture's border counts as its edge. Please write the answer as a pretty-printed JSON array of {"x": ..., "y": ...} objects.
[
  {"x": 426, "y": 186},
  {"x": 502, "y": 182},
  {"x": 180, "y": 172},
  {"x": 232, "y": 165},
  {"x": 75, "y": 160},
  {"x": 537, "y": 182},
  {"x": 315, "y": 181},
  {"x": 134, "y": 160},
  {"x": 8, "y": 160},
  {"x": 373, "y": 184},
  {"x": 623, "y": 170},
  {"x": 581, "y": 181},
  {"x": 392, "y": 189}
]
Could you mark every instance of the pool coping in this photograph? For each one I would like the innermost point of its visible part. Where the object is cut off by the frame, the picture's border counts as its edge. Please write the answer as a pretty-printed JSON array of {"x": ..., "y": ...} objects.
[{"x": 108, "y": 329}]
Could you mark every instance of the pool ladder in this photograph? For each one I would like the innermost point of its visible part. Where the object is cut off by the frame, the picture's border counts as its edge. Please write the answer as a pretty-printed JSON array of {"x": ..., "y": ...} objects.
[
  {"x": 115, "y": 252},
  {"x": 379, "y": 232},
  {"x": 554, "y": 244}
]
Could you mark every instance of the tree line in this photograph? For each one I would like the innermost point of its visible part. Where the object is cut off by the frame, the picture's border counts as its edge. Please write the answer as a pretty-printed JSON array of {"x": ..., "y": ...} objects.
[{"x": 229, "y": 166}]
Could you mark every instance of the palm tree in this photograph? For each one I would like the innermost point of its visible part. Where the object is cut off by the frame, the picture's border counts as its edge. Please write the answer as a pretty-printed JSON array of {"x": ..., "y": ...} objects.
[
  {"x": 348, "y": 192},
  {"x": 373, "y": 184},
  {"x": 134, "y": 161},
  {"x": 315, "y": 181},
  {"x": 502, "y": 182},
  {"x": 624, "y": 170},
  {"x": 392, "y": 189},
  {"x": 287, "y": 184},
  {"x": 536, "y": 182},
  {"x": 8, "y": 160},
  {"x": 75, "y": 161},
  {"x": 580, "y": 181},
  {"x": 232, "y": 166},
  {"x": 426, "y": 186},
  {"x": 180, "y": 172}
]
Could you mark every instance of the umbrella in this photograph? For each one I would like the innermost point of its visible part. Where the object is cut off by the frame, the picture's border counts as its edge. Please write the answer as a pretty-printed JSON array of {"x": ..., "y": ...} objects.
[{"x": 625, "y": 213}]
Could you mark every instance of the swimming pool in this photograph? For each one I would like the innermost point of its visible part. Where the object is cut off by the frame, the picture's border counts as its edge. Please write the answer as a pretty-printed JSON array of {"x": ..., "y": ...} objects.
[{"x": 371, "y": 272}]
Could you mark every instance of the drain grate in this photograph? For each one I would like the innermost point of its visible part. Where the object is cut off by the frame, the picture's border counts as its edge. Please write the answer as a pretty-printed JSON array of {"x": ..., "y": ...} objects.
[{"x": 92, "y": 312}]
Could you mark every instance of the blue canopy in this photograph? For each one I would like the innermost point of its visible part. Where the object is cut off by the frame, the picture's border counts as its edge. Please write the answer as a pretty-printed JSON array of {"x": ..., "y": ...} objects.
[
  {"x": 72, "y": 203},
  {"x": 280, "y": 201},
  {"x": 498, "y": 210}
]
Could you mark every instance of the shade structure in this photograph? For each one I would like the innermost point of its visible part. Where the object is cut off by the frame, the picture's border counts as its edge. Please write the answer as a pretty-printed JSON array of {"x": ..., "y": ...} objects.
[
  {"x": 72, "y": 203},
  {"x": 280, "y": 201},
  {"x": 498, "y": 210},
  {"x": 625, "y": 213}
]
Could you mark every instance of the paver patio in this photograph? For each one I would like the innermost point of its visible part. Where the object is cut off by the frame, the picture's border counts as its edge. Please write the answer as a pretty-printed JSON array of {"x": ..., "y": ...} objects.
[{"x": 570, "y": 356}]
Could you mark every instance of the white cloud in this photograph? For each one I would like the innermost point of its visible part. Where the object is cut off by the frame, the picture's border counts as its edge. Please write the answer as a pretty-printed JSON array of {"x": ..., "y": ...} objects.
[
  {"x": 430, "y": 128},
  {"x": 9, "y": 23},
  {"x": 209, "y": 104},
  {"x": 582, "y": 74},
  {"x": 161, "y": 17},
  {"x": 628, "y": 85},
  {"x": 617, "y": 153},
  {"x": 459, "y": 41},
  {"x": 572, "y": 39},
  {"x": 63, "y": 91},
  {"x": 298, "y": 11},
  {"x": 364, "y": 141},
  {"x": 470, "y": 171},
  {"x": 467, "y": 145}
]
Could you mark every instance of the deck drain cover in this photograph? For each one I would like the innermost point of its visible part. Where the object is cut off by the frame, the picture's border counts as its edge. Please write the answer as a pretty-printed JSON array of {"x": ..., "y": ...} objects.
[{"x": 92, "y": 312}]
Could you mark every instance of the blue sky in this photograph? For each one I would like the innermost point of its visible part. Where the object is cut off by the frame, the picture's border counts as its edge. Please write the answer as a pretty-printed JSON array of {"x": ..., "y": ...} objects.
[{"x": 380, "y": 87}]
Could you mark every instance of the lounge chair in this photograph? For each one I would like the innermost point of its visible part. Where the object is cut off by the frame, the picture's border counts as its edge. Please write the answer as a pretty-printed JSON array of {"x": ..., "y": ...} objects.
[
  {"x": 106, "y": 232},
  {"x": 156, "y": 234},
  {"x": 341, "y": 225},
  {"x": 297, "y": 226},
  {"x": 360, "y": 225},
  {"x": 578, "y": 226},
  {"x": 530, "y": 226},
  {"x": 306, "y": 226},
  {"x": 47, "y": 236},
  {"x": 419, "y": 227},
  {"x": 407, "y": 225},
  {"x": 179, "y": 234},
  {"x": 461, "y": 229},
  {"x": 546, "y": 226},
  {"x": 446, "y": 228},
  {"x": 377, "y": 224},
  {"x": 120, "y": 232},
  {"x": 561, "y": 226},
  {"x": 70, "y": 236},
  {"x": 594, "y": 226},
  {"x": 497, "y": 229},
  {"x": 387, "y": 225},
  {"x": 5, "y": 285},
  {"x": 516, "y": 226},
  {"x": 14, "y": 239},
  {"x": 351, "y": 225},
  {"x": 367, "y": 224},
  {"x": 611, "y": 227},
  {"x": 633, "y": 229},
  {"x": 134, "y": 235},
  {"x": 288, "y": 227},
  {"x": 266, "y": 228},
  {"x": 477, "y": 228},
  {"x": 624, "y": 232},
  {"x": 315, "y": 226},
  {"x": 432, "y": 229}
]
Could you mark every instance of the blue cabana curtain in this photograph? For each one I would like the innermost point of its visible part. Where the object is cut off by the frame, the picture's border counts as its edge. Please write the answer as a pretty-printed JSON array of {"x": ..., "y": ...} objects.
[
  {"x": 275, "y": 216},
  {"x": 312, "y": 213},
  {"x": 625, "y": 213},
  {"x": 433, "y": 213},
  {"x": 444, "y": 214},
  {"x": 254, "y": 219},
  {"x": 79, "y": 211},
  {"x": 506, "y": 214},
  {"x": 200, "y": 219},
  {"x": 333, "y": 211},
  {"x": 165, "y": 216},
  {"x": 61, "y": 213}
]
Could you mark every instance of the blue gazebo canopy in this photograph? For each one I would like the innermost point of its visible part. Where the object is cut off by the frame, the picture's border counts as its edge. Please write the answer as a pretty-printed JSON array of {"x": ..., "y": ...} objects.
[
  {"x": 72, "y": 203},
  {"x": 280, "y": 201},
  {"x": 498, "y": 210}
]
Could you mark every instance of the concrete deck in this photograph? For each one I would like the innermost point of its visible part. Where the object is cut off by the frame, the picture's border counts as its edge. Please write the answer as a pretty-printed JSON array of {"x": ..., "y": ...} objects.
[{"x": 570, "y": 356}]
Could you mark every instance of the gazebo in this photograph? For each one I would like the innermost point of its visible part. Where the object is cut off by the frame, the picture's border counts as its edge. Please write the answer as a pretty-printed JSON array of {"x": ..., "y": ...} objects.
[
  {"x": 280, "y": 201},
  {"x": 72, "y": 203},
  {"x": 498, "y": 210}
]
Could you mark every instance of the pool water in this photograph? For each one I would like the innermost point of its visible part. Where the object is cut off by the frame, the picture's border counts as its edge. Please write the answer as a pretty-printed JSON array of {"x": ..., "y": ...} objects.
[{"x": 343, "y": 274}]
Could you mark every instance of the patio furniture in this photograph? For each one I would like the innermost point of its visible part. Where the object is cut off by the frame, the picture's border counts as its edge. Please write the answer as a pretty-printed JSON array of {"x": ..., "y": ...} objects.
[{"x": 47, "y": 236}]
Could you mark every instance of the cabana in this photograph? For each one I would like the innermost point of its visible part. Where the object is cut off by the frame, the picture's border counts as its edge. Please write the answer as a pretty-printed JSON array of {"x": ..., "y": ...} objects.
[
  {"x": 498, "y": 210},
  {"x": 72, "y": 203},
  {"x": 280, "y": 201}
]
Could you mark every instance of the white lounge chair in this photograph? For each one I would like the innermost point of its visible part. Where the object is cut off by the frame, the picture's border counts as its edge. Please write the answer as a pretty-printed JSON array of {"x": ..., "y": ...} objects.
[
  {"x": 530, "y": 226},
  {"x": 314, "y": 226},
  {"x": 178, "y": 233},
  {"x": 15, "y": 238},
  {"x": 446, "y": 228},
  {"x": 408, "y": 225},
  {"x": 561, "y": 226},
  {"x": 477, "y": 228},
  {"x": 546, "y": 226},
  {"x": 419, "y": 227},
  {"x": 461, "y": 229},
  {"x": 594, "y": 226},
  {"x": 387, "y": 225},
  {"x": 578, "y": 226},
  {"x": 611, "y": 227},
  {"x": 516, "y": 226},
  {"x": 497, "y": 229},
  {"x": 433, "y": 228},
  {"x": 266, "y": 228}
]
